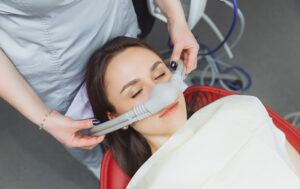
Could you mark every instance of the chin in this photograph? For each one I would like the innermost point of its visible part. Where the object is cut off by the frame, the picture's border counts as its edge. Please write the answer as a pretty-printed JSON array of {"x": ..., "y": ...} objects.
[{"x": 176, "y": 120}]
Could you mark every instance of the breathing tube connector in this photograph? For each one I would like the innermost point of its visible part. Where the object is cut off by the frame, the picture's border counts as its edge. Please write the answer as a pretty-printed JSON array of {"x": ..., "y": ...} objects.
[{"x": 162, "y": 95}]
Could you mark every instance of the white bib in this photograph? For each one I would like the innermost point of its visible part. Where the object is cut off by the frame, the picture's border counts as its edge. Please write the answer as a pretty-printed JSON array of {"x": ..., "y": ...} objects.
[{"x": 230, "y": 143}]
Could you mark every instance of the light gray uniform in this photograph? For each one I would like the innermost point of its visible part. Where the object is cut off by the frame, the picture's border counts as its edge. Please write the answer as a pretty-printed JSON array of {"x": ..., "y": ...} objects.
[{"x": 50, "y": 42}]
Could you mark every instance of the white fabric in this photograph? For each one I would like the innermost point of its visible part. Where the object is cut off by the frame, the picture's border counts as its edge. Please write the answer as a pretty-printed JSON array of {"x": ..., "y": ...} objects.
[
  {"x": 80, "y": 107},
  {"x": 229, "y": 144}
]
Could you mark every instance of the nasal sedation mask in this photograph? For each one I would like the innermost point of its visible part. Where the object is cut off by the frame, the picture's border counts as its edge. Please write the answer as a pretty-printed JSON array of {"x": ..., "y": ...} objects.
[{"x": 162, "y": 95}]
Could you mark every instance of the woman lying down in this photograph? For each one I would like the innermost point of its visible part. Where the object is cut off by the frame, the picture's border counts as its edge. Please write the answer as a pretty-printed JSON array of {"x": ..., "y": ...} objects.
[{"x": 230, "y": 143}]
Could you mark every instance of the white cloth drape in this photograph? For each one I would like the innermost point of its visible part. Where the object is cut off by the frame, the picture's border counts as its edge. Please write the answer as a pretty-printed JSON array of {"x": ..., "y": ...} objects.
[{"x": 231, "y": 143}]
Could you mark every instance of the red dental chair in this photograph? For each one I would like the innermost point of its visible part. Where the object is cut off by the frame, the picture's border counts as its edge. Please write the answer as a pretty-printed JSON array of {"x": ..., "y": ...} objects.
[{"x": 112, "y": 177}]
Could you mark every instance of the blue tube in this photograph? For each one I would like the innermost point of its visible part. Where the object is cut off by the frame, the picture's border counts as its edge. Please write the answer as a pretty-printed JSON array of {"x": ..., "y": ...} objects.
[
  {"x": 211, "y": 54},
  {"x": 171, "y": 46},
  {"x": 228, "y": 34},
  {"x": 230, "y": 84},
  {"x": 244, "y": 72}
]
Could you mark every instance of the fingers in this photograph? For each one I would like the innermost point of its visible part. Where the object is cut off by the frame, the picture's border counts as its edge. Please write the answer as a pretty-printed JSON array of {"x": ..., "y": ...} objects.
[
  {"x": 81, "y": 140},
  {"x": 91, "y": 147},
  {"x": 188, "y": 54},
  {"x": 85, "y": 141},
  {"x": 84, "y": 124},
  {"x": 191, "y": 59},
  {"x": 176, "y": 54}
]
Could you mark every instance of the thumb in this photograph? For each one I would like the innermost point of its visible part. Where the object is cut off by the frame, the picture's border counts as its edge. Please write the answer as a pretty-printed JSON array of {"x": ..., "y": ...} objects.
[
  {"x": 176, "y": 54},
  {"x": 84, "y": 124}
]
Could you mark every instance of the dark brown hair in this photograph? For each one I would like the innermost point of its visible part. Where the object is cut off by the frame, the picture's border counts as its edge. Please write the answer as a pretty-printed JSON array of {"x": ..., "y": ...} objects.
[{"x": 129, "y": 148}]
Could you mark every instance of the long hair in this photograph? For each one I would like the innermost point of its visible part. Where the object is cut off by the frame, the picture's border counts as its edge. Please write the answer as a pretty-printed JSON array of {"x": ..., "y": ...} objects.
[{"x": 129, "y": 148}]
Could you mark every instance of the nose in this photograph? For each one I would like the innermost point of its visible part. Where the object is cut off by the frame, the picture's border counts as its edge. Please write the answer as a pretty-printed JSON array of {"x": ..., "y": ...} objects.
[
  {"x": 162, "y": 95},
  {"x": 154, "y": 104}
]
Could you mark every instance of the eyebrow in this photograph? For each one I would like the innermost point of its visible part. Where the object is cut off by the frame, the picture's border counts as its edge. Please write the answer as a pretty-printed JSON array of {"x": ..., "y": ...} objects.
[
  {"x": 132, "y": 82},
  {"x": 154, "y": 66}
]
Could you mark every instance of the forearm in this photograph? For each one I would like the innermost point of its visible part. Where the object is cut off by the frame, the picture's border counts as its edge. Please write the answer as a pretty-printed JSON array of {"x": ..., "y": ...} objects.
[
  {"x": 18, "y": 93},
  {"x": 172, "y": 9}
]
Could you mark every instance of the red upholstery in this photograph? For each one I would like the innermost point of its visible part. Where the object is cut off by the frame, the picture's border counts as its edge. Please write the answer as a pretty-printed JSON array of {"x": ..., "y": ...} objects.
[{"x": 112, "y": 177}]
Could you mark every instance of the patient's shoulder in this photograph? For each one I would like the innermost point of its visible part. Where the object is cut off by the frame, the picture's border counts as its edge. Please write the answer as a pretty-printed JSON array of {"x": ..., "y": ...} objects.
[
  {"x": 242, "y": 100},
  {"x": 247, "y": 99},
  {"x": 244, "y": 104},
  {"x": 235, "y": 107}
]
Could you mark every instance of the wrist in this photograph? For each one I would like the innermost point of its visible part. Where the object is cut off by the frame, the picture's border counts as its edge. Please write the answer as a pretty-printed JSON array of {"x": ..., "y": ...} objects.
[
  {"x": 176, "y": 24},
  {"x": 52, "y": 120},
  {"x": 172, "y": 25},
  {"x": 44, "y": 120}
]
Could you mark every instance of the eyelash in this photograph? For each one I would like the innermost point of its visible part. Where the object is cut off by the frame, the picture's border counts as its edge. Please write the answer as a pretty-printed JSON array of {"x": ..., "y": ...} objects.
[
  {"x": 142, "y": 89},
  {"x": 160, "y": 75},
  {"x": 137, "y": 93}
]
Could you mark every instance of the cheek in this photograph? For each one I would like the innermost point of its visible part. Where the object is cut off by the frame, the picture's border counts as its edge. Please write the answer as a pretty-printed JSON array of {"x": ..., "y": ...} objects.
[
  {"x": 128, "y": 105},
  {"x": 147, "y": 126},
  {"x": 125, "y": 104}
]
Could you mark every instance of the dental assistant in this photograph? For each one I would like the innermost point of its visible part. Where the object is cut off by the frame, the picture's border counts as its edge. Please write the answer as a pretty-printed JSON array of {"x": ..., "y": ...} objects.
[{"x": 44, "y": 49}]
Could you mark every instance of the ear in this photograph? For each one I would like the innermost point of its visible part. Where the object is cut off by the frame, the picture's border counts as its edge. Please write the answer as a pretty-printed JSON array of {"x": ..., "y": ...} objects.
[{"x": 111, "y": 115}]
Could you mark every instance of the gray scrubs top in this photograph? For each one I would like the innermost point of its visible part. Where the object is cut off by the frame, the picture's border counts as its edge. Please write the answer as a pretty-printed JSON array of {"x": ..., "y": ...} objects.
[{"x": 50, "y": 41}]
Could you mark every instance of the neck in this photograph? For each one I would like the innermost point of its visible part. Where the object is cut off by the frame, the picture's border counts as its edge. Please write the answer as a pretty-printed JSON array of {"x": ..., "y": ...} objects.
[{"x": 155, "y": 142}]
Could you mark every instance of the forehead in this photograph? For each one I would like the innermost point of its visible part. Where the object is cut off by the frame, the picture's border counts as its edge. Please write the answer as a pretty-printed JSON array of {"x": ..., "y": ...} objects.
[{"x": 130, "y": 64}]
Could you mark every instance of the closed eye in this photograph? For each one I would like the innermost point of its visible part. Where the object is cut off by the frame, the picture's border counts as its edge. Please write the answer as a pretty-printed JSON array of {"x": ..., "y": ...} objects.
[
  {"x": 160, "y": 76},
  {"x": 137, "y": 93}
]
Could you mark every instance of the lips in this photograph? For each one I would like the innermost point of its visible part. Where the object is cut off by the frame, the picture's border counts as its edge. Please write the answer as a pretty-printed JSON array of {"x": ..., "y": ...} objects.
[{"x": 169, "y": 110}]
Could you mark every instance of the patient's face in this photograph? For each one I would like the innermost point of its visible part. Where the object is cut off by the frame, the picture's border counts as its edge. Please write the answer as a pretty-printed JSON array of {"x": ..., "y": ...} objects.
[{"x": 129, "y": 79}]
